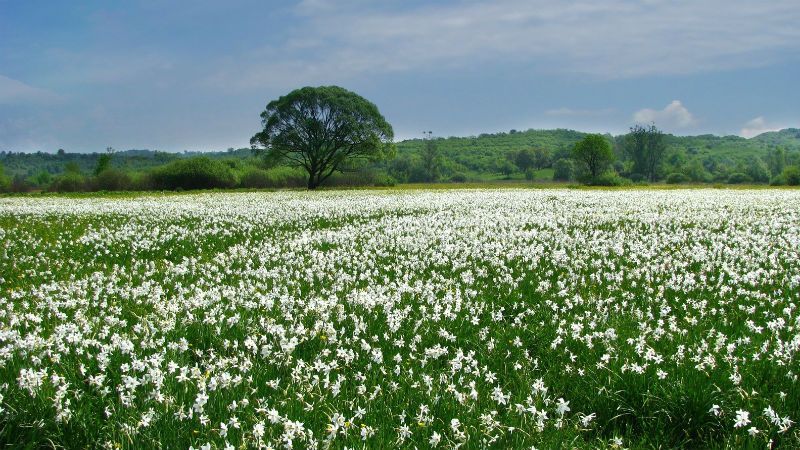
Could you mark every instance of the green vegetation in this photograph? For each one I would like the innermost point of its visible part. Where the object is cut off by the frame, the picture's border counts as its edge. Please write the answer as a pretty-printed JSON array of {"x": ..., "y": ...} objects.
[
  {"x": 593, "y": 153},
  {"x": 193, "y": 173},
  {"x": 533, "y": 156},
  {"x": 645, "y": 148},
  {"x": 323, "y": 130},
  {"x": 552, "y": 319}
]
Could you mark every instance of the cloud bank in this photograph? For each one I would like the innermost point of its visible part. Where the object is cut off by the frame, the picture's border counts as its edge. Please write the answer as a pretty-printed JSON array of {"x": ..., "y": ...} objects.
[
  {"x": 673, "y": 116},
  {"x": 757, "y": 126},
  {"x": 611, "y": 39}
]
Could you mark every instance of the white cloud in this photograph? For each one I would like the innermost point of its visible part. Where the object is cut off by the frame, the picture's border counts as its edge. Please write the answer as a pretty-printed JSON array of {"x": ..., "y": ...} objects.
[
  {"x": 610, "y": 39},
  {"x": 757, "y": 126},
  {"x": 673, "y": 116},
  {"x": 14, "y": 91}
]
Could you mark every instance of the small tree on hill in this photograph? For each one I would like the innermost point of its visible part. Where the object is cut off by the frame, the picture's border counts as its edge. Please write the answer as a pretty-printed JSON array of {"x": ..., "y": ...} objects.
[
  {"x": 322, "y": 129},
  {"x": 535, "y": 158},
  {"x": 776, "y": 160},
  {"x": 524, "y": 159},
  {"x": 541, "y": 158},
  {"x": 103, "y": 163},
  {"x": 594, "y": 152},
  {"x": 646, "y": 147},
  {"x": 431, "y": 159},
  {"x": 563, "y": 170}
]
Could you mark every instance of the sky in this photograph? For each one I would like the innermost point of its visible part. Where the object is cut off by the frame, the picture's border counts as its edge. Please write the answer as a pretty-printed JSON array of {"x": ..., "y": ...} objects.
[{"x": 195, "y": 75}]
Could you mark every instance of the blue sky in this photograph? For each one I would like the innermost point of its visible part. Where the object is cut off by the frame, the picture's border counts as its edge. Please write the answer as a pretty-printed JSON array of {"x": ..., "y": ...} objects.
[{"x": 195, "y": 75}]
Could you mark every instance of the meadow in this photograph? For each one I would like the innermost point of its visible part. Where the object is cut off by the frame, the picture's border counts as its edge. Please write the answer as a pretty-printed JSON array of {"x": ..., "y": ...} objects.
[{"x": 471, "y": 318}]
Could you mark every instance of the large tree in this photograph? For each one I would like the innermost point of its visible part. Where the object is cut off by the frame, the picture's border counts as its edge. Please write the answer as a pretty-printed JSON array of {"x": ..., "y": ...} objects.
[
  {"x": 595, "y": 152},
  {"x": 323, "y": 129},
  {"x": 646, "y": 147}
]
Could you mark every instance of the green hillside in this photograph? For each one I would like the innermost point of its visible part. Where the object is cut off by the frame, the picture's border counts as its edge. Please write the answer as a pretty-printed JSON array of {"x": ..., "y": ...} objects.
[
  {"x": 788, "y": 138},
  {"x": 485, "y": 147},
  {"x": 483, "y": 153},
  {"x": 484, "y": 156}
]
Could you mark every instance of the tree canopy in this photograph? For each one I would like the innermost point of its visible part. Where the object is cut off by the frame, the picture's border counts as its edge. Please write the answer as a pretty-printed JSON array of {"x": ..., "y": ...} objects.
[
  {"x": 323, "y": 129},
  {"x": 595, "y": 152},
  {"x": 646, "y": 148}
]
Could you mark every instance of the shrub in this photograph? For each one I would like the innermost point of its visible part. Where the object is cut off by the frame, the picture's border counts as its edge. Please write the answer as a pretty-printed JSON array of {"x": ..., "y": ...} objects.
[
  {"x": 384, "y": 180},
  {"x": 276, "y": 177},
  {"x": 791, "y": 175},
  {"x": 288, "y": 177},
  {"x": 757, "y": 170},
  {"x": 69, "y": 182},
  {"x": 350, "y": 179},
  {"x": 677, "y": 178},
  {"x": 193, "y": 173},
  {"x": 530, "y": 174},
  {"x": 112, "y": 180},
  {"x": 777, "y": 180},
  {"x": 458, "y": 178},
  {"x": 739, "y": 178},
  {"x": 637, "y": 177},
  {"x": 20, "y": 184},
  {"x": 609, "y": 179},
  {"x": 563, "y": 170},
  {"x": 5, "y": 183},
  {"x": 142, "y": 181},
  {"x": 254, "y": 178},
  {"x": 43, "y": 179}
]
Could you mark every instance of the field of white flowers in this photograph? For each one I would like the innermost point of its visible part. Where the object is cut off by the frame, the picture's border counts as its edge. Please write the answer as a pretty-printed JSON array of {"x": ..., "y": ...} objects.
[{"x": 449, "y": 319}]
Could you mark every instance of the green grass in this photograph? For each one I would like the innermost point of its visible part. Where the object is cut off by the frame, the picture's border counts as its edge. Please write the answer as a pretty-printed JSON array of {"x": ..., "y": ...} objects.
[{"x": 264, "y": 300}]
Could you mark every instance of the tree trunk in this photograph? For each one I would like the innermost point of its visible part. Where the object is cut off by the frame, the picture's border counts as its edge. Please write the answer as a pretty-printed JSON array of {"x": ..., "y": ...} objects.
[{"x": 312, "y": 182}]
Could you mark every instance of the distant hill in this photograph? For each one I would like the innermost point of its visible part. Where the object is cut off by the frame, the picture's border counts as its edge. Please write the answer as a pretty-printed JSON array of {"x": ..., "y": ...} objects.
[
  {"x": 788, "y": 138},
  {"x": 480, "y": 153}
]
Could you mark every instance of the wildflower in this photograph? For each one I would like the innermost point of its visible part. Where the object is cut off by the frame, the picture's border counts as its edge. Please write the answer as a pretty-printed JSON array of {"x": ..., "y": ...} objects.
[
  {"x": 434, "y": 440},
  {"x": 258, "y": 430},
  {"x": 499, "y": 397},
  {"x": 562, "y": 407},
  {"x": 742, "y": 418},
  {"x": 404, "y": 432}
]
